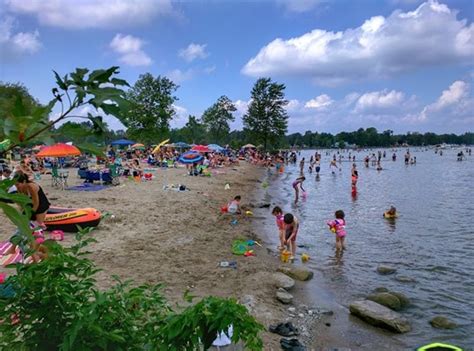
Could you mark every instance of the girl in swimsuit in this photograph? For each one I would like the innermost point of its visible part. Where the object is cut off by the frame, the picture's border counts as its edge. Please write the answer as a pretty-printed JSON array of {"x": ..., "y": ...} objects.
[
  {"x": 299, "y": 181},
  {"x": 338, "y": 226},
  {"x": 355, "y": 175},
  {"x": 291, "y": 230}
]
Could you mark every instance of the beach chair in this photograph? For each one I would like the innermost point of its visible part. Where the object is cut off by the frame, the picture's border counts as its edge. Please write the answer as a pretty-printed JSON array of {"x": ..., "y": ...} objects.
[
  {"x": 55, "y": 181},
  {"x": 59, "y": 179},
  {"x": 114, "y": 174}
]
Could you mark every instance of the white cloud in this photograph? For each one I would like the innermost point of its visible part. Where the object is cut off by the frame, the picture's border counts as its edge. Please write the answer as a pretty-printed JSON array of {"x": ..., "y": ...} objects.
[
  {"x": 193, "y": 51},
  {"x": 91, "y": 13},
  {"x": 181, "y": 117},
  {"x": 431, "y": 35},
  {"x": 130, "y": 50},
  {"x": 455, "y": 103},
  {"x": 179, "y": 76},
  {"x": 378, "y": 100},
  {"x": 300, "y": 6},
  {"x": 13, "y": 45},
  {"x": 320, "y": 102},
  {"x": 112, "y": 122}
]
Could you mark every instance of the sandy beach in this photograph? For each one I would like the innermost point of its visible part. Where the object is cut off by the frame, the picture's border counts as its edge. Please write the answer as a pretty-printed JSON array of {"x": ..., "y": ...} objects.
[{"x": 178, "y": 238}]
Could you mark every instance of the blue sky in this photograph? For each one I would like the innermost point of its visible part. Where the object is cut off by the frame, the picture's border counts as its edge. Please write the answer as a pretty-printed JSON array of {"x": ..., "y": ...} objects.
[{"x": 405, "y": 65}]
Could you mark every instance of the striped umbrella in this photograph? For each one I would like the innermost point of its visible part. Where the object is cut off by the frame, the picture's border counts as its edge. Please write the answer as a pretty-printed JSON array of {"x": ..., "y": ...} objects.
[{"x": 190, "y": 157}]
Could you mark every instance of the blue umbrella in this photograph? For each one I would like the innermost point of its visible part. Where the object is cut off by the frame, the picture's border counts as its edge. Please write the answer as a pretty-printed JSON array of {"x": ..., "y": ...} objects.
[
  {"x": 181, "y": 144},
  {"x": 190, "y": 157},
  {"x": 122, "y": 142},
  {"x": 215, "y": 147}
]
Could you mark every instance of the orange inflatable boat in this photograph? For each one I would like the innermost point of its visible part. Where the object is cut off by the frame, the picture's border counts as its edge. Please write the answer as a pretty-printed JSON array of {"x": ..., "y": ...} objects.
[{"x": 67, "y": 219}]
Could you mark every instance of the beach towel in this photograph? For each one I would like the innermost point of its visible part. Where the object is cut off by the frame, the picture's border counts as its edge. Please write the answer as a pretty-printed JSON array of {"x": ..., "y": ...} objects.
[{"x": 87, "y": 187}]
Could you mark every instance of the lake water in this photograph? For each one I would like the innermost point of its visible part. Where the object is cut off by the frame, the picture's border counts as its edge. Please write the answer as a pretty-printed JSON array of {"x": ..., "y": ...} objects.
[{"x": 432, "y": 241}]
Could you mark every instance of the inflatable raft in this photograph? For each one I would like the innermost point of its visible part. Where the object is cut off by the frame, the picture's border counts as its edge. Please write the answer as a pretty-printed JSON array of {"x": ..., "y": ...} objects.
[{"x": 67, "y": 219}]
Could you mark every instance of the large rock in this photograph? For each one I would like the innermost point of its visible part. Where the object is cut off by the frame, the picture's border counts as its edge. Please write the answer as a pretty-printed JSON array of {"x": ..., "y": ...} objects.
[
  {"x": 378, "y": 315},
  {"x": 386, "y": 299},
  {"x": 297, "y": 273},
  {"x": 283, "y": 296},
  {"x": 442, "y": 322},
  {"x": 383, "y": 269},
  {"x": 281, "y": 280}
]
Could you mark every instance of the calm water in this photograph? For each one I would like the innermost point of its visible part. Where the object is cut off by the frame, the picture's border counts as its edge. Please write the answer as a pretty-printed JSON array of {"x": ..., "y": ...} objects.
[{"x": 432, "y": 241}]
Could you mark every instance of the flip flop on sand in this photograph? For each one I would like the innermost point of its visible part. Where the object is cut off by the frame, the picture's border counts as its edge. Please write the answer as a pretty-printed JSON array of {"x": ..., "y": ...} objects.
[
  {"x": 291, "y": 345},
  {"x": 284, "y": 329}
]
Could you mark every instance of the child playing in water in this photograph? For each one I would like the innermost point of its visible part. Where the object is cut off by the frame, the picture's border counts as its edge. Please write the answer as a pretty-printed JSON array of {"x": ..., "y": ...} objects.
[
  {"x": 338, "y": 227},
  {"x": 278, "y": 213},
  {"x": 291, "y": 230},
  {"x": 234, "y": 206},
  {"x": 391, "y": 213},
  {"x": 299, "y": 181}
]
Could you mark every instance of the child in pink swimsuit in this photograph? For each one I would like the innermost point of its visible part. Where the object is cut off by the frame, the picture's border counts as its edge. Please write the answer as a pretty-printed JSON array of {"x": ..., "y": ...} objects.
[
  {"x": 338, "y": 226},
  {"x": 278, "y": 213}
]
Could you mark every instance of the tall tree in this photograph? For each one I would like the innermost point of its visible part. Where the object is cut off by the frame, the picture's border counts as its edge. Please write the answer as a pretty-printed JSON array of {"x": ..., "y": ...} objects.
[
  {"x": 216, "y": 119},
  {"x": 266, "y": 118},
  {"x": 152, "y": 99}
]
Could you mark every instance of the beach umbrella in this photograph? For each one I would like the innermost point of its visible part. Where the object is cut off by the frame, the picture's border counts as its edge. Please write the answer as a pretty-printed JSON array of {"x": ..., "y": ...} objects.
[
  {"x": 59, "y": 150},
  {"x": 190, "y": 157},
  {"x": 181, "y": 145},
  {"x": 138, "y": 146},
  {"x": 122, "y": 142},
  {"x": 215, "y": 147},
  {"x": 248, "y": 146},
  {"x": 200, "y": 148},
  {"x": 157, "y": 148}
]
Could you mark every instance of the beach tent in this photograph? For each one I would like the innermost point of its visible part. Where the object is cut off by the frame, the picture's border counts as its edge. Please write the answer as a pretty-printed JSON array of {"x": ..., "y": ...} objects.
[
  {"x": 215, "y": 147},
  {"x": 249, "y": 146},
  {"x": 190, "y": 157},
  {"x": 200, "y": 148},
  {"x": 122, "y": 142},
  {"x": 59, "y": 150}
]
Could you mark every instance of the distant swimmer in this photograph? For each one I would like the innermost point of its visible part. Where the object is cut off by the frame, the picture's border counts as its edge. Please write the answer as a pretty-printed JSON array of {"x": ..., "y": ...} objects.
[
  {"x": 394, "y": 157},
  {"x": 333, "y": 165},
  {"x": 354, "y": 175}
]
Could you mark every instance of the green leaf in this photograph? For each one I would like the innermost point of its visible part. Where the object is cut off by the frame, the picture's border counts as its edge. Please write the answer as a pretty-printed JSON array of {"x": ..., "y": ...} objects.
[
  {"x": 59, "y": 81},
  {"x": 20, "y": 220},
  {"x": 101, "y": 75},
  {"x": 117, "y": 81},
  {"x": 19, "y": 108}
]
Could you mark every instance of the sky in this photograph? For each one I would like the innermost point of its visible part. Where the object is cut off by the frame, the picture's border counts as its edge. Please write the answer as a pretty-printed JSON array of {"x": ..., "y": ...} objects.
[{"x": 403, "y": 65}]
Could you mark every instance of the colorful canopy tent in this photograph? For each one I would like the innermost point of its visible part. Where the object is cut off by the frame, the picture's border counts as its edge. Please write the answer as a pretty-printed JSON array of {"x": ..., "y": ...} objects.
[
  {"x": 190, "y": 157},
  {"x": 138, "y": 146},
  {"x": 122, "y": 142},
  {"x": 200, "y": 148},
  {"x": 59, "y": 150},
  {"x": 249, "y": 146},
  {"x": 158, "y": 147},
  {"x": 215, "y": 147}
]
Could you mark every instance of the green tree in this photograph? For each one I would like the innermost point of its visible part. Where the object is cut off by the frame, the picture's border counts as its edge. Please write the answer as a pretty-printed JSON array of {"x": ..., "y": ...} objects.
[
  {"x": 152, "y": 99},
  {"x": 266, "y": 118},
  {"x": 216, "y": 119}
]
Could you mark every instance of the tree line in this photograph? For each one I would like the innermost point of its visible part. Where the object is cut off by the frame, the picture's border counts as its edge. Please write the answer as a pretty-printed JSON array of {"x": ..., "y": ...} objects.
[{"x": 151, "y": 108}]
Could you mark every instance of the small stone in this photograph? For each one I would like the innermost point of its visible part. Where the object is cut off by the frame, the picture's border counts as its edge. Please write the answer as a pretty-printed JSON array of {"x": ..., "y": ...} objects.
[
  {"x": 283, "y": 281},
  {"x": 387, "y": 300},
  {"x": 327, "y": 312},
  {"x": 442, "y": 322},
  {"x": 301, "y": 315},
  {"x": 297, "y": 273},
  {"x": 378, "y": 315},
  {"x": 284, "y": 297},
  {"x": 310, "y": 312},
  {"x": 291, "y": 309},
  {"x": 404, "y": 300},
  {"x": 385, "y": 270}
]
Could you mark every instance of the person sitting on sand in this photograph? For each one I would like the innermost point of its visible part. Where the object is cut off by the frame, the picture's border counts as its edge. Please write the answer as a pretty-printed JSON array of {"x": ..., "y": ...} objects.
[
  {"x": 278, "y": 213},
  {"x": 40, "y": 203},
  {"x": 234, "y": 206}
]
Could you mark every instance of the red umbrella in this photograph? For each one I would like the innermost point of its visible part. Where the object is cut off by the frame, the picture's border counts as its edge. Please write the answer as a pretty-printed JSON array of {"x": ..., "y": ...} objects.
[
  {"x": 201, "y": 148},
  {"x": 59, "y": 150}
]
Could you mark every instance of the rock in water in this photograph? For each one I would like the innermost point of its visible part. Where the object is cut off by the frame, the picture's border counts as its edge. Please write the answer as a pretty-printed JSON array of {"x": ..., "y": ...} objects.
[
  {"x": 382, "y": 269},
  {"x": 404, "y": 279},
  {"x": 297, "y": 273},
  {"x": 378, "y": 315},
  {"x": 404, "y": 301},
  {"x": 284, "y": 296},
  {"x": 442, "y": 322},
  {"x": 386, "y": 299},
  {"x": 380, "y": 289},
  {"x": 283, "y": 281}
]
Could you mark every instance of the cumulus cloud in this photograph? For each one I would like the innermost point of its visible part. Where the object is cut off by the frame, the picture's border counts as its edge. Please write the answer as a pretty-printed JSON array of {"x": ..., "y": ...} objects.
[
  {"x": 193, "y": 51},
  {"x": 181, "y": 116},
  {"x": 431, "y": 35},
  {"x": 454, "y": 103},
  {"x": 321, "y": 102},
  {"x": 379, "y": 100},
  {"x": 14, "y": 45},
  {"x": 91, "y": 13},
  {"x": 130, "y": 50},
  {"x": 300, "y": 6}
]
